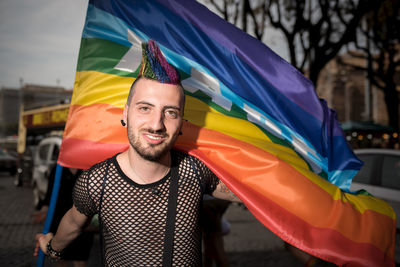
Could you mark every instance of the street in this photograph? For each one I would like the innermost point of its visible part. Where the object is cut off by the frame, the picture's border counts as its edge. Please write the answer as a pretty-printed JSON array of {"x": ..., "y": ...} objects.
[
  {"x": 248, "y": 244},
  {"x": 16, "y": 229}
]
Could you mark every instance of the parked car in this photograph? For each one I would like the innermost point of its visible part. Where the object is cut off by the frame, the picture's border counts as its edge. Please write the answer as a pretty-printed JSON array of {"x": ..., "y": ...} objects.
[
  {"x": 45, "y": 157},
  {"x": 7, "y": 162},
  {"x": 380, "y": 176}
]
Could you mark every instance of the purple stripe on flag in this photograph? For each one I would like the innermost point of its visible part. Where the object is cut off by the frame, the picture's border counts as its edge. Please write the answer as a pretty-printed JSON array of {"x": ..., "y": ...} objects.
[{"x": 279, "y": 73}]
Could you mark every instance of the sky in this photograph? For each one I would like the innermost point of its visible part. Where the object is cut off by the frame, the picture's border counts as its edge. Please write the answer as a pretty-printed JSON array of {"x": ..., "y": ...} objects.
[{"x": 40, "y": 39}]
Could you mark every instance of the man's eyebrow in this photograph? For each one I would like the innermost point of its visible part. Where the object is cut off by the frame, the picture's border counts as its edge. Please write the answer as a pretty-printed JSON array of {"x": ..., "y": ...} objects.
[
  {"x": 152, "y": 105},
  {"x": 144, "y": 103},
  {"x": 173, "y": 107}
]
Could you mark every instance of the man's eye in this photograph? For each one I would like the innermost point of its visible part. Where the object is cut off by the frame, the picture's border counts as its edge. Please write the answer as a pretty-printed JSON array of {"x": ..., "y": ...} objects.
[
  {"x": 171, "y": 114},
  {"x": 144, "y": 109}
]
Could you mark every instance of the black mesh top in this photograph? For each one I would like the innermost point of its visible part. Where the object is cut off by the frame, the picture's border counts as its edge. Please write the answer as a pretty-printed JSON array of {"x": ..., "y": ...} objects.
[{"x": 133, "y": 216}]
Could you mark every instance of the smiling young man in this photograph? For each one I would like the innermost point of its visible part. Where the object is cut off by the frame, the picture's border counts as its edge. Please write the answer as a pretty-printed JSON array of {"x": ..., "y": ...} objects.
[
  {"x": 153, "y": 116},
  {"x": 148, "y": 197}
]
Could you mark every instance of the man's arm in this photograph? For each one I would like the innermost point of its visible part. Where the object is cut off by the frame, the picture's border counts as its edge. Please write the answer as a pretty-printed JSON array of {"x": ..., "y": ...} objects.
[
  {"x": 69, "y": 228},
  {"x": 223, "y": 192}
]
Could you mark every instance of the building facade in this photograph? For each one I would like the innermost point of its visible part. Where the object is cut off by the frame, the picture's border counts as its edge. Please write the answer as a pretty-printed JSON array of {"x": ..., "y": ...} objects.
[
  {"x": 30, "y": 96},
  {"x": 347, "y": 90}
]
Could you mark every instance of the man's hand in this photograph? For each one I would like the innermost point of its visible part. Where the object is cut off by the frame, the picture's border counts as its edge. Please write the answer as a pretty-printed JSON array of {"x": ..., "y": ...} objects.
[
  {"x": 69, "y": 228},
  {"x": 223, "y": 192},
  {"x": 41, "y": 241}
]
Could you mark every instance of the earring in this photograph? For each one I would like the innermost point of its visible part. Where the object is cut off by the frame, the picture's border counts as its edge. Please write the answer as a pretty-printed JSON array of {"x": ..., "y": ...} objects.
[
  {"x": 180, "y": 133},
  {"x": 123, "y": 123}
]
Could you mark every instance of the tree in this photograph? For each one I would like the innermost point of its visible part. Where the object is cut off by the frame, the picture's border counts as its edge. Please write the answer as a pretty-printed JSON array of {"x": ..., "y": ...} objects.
[
  {"x": 315, "y": 30},
  {"x": 378, "y": 39},
  {"x": 251, "y": 18}
]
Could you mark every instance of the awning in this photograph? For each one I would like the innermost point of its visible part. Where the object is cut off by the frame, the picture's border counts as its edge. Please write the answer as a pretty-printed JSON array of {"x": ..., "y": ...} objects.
[{"x": 365, "y": 126}]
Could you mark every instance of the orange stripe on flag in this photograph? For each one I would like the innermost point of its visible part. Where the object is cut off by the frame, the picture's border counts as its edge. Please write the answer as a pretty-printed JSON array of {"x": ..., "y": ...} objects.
[
  {"x": 253, "y": 165},
  {"x": 104, "y": 127}
]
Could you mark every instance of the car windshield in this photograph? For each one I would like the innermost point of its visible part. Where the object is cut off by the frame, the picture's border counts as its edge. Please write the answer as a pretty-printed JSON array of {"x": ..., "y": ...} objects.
[
  {"x": 364, "y": 175},
  {"x": 391, "y": 172}
]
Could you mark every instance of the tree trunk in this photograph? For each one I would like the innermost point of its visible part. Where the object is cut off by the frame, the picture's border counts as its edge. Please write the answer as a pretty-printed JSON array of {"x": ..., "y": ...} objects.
[
  {"x": 315, "y": 69},
  {"x": 392, "y": 105},
  {"x": 314, "y": 77}
]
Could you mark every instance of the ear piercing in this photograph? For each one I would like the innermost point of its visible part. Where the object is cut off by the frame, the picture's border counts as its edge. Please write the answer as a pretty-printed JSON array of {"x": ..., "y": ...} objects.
[{"x": 123, "y": 123}]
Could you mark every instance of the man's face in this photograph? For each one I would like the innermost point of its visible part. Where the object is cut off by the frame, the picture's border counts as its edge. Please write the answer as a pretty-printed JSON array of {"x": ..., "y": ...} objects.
[{"x": 154, "y": 118}]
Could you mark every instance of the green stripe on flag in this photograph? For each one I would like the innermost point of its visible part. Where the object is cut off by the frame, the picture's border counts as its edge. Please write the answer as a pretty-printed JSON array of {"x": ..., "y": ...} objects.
[{"x": 102, "y": 56}]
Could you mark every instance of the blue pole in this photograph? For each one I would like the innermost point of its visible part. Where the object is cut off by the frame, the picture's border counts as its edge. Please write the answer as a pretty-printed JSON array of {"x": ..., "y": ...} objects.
[{"x": 50, "y": 212}]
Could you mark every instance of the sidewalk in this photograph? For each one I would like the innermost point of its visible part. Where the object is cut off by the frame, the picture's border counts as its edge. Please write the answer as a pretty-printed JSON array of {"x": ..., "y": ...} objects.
[
  {"x": 248, "y": 244},
  {"x": 16, "y": 229}
]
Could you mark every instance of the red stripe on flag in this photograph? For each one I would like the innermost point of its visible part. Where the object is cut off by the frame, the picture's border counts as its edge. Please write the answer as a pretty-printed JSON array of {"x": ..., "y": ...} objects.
[
  {"x": 324, "y": 243},
  {"x": 74, "y": 153}
]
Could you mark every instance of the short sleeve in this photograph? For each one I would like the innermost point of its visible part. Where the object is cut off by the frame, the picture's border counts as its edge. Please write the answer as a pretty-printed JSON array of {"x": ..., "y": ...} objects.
[
  {"x": 82, "y": 198},
  {"x": 208, "y": 178}
]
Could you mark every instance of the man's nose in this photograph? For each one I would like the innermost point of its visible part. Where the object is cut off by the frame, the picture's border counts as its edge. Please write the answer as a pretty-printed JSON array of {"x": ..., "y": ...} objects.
[{"x": 157, "y": 122}]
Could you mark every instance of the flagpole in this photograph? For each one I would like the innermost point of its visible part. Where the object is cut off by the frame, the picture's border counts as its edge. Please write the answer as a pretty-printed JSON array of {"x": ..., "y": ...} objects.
[{"x": 50, "y": 212}]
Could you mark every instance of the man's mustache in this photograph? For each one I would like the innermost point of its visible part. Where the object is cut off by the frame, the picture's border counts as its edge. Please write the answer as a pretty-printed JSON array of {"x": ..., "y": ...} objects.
[{"x": 158, "y": 132}]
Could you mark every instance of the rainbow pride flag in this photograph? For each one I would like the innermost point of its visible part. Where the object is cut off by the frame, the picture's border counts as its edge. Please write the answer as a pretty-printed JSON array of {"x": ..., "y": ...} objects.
[{"x": 250, "y": 116}]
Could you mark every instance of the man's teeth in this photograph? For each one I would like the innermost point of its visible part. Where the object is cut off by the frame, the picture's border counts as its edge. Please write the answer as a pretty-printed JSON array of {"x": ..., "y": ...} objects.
[{"x": 154, "y": 137}]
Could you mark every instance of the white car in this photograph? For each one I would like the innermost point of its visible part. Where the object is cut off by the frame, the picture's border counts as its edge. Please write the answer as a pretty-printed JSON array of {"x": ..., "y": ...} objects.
[
  {"x": 380, "y": 176},
  {"x": 44, "y": 159}
]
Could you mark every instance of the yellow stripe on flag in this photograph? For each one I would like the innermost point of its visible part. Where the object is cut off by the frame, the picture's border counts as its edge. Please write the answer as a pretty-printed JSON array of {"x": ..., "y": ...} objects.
[
  {"x": 95, "y": 87},
  {"x": 201, "y": 114}
]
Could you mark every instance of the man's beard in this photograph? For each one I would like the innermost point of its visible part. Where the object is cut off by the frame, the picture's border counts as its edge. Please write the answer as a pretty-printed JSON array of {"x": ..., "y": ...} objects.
[{"x": 152, "y": 152}]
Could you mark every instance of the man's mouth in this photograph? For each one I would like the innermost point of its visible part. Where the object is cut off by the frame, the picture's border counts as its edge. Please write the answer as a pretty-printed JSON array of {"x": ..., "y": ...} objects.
[{"x": 154, "y": 139}]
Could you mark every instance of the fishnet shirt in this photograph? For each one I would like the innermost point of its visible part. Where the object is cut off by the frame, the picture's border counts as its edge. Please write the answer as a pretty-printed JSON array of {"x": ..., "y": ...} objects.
[{"x": 133, "y": 217}]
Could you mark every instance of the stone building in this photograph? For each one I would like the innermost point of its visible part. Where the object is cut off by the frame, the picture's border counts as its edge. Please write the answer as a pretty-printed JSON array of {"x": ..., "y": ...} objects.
[
  {"x": 346, "y": 91},
  {"x": 31, "y": 96},
  {"x": 344, "y": 88},
  {"x": 9, "y": 111}
]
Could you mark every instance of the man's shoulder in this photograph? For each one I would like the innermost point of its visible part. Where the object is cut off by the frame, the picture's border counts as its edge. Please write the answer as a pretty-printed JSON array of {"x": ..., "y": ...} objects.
[
  {"x": 185, "y": 158},
  {"x": 180, "y": 156},
  {"x": 101, "y": 166}
]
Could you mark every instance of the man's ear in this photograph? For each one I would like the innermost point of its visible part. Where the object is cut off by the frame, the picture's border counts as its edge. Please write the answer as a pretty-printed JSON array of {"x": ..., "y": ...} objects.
[{"x": 125, "y": 113}]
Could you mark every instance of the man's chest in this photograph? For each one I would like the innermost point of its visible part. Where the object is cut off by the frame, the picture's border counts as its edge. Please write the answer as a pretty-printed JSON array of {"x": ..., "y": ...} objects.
[{"x": 127, "y": 207}]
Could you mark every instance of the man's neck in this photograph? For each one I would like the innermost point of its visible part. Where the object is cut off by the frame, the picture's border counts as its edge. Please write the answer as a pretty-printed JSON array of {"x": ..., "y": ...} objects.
[{"x": 141, "y": 170}]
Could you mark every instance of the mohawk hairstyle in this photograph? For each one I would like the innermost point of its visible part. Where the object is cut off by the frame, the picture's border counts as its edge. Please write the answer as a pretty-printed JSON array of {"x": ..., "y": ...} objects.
[{"x": 154, "y": 66}]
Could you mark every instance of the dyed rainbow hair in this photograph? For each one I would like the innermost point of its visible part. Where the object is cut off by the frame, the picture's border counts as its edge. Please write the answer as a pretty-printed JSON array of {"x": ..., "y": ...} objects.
[{"x": 154, "y": 66}]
